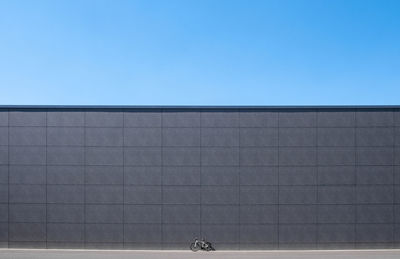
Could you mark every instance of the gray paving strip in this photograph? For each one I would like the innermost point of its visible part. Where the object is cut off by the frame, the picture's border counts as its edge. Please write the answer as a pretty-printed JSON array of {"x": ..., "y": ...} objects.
[{"x": 125, "y": 254}]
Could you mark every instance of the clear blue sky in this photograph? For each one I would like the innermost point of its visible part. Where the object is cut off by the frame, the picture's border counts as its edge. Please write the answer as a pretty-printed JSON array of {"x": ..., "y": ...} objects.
[{"x": 203, "y": 52}]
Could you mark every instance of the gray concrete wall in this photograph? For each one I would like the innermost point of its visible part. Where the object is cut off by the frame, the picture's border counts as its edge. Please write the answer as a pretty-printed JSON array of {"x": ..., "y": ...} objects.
[{"x": 157, "y": 178}]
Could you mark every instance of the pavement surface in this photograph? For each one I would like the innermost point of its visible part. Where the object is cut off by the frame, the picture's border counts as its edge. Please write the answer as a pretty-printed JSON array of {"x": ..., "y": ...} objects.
[{"x": 125, "y": 254}]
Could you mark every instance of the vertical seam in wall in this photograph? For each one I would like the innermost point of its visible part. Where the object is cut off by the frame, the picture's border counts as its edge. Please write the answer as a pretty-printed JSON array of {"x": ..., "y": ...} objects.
[
  {"x": 278, "y": 184},
  {"x": 393, "y": 180},
  {"x": 201, "y": 177},
  {"x": 123, "y": 179},
  {"x": 8, "y": 180},
  {"x": 46, "y": 177},
  {"x": 84, "y": 179},
  {"x": 239, "y": 186},
  {"x": 317, "y": 178},
  {"x": 355, "y": 203},
  {"x": 162, "y": 179}
]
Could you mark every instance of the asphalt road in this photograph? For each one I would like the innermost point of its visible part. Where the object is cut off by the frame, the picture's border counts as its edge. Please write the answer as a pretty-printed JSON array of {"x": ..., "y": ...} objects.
[{"x": 91, "y": 254}]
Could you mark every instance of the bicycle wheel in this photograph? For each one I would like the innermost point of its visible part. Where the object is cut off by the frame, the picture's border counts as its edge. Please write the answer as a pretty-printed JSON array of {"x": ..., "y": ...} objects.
[{"x": 194, "y": 247}]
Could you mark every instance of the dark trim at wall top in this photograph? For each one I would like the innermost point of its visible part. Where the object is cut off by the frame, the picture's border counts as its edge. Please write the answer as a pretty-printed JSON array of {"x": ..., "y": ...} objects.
[{"x": 205, "y": 107}]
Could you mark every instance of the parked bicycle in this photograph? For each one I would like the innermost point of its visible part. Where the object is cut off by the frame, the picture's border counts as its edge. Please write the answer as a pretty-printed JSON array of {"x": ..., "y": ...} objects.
[{"x": 201, "y": 244}]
